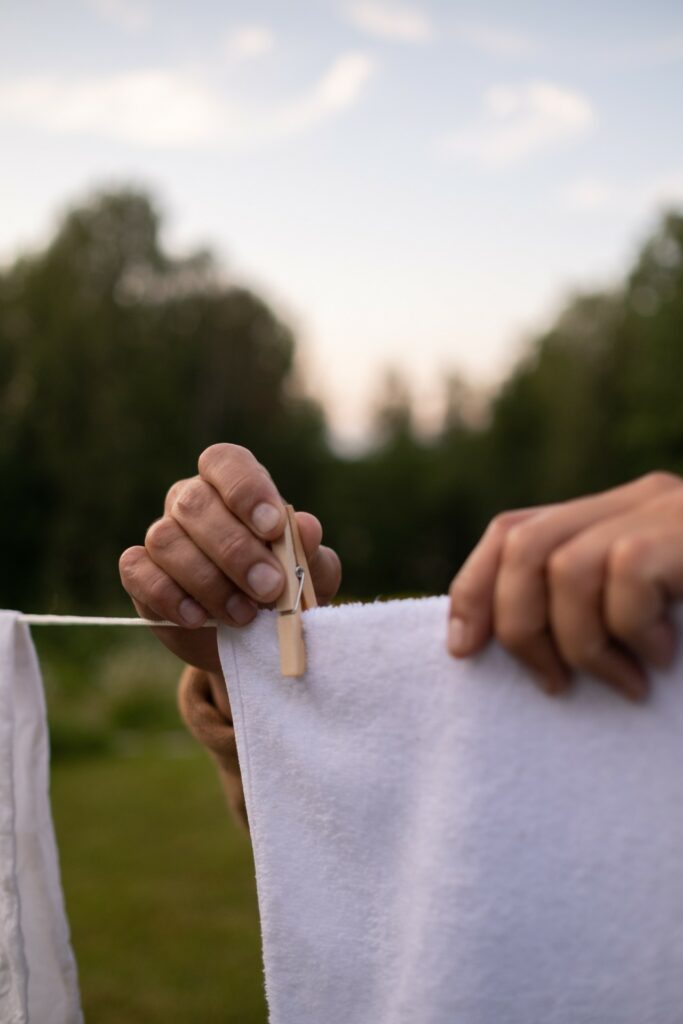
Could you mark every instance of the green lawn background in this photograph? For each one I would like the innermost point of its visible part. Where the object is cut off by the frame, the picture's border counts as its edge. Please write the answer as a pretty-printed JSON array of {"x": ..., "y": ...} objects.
[{"x": 158, "y": 880}]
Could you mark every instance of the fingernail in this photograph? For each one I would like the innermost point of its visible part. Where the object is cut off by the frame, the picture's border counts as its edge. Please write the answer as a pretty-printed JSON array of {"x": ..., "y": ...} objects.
[
  {"x": 240, "y": 609},
  {"x": 265, "y": 517},
  {"x": 551, "y": 685},
  {"x": 638, "y": 692},
  {"x": 662, "y": 645},
  {"x": 264, "y": 579},
  {"x": 191, "y": 612},
  {"x": 457, "y": 636}
]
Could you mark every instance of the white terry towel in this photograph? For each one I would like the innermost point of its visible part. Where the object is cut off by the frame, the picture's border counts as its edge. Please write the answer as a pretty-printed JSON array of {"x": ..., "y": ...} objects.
[
  {"x": 38, "y": 982},
  {"x": 437, "y": 842}
]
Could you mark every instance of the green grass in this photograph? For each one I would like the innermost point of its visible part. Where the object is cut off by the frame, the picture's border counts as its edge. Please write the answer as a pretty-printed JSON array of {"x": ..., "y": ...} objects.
[{"x": 159, "y": 886}]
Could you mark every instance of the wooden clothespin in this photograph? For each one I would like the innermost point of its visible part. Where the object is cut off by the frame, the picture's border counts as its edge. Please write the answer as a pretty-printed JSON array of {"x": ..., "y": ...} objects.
[{"x": 297, "y": 596}]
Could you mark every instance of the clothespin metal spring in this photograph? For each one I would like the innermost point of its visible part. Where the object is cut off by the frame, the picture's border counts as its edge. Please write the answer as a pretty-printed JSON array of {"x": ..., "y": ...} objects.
[{"x": 300, "y": 574}]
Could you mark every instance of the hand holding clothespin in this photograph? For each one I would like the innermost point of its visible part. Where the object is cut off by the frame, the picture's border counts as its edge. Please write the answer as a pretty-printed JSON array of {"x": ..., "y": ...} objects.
[{"x": 297, "y": 596}]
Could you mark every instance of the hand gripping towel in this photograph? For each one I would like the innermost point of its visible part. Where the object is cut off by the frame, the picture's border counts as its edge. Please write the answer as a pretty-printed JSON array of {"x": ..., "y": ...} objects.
[
  {"x": 38, "y": 982},
  {"x": 438, "y": 842}
]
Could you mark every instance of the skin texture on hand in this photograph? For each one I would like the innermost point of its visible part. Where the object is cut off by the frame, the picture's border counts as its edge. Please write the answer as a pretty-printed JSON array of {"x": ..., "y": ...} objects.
[
  {"x": 208, "y": 555},
  {"x": 582, "y": 585}
]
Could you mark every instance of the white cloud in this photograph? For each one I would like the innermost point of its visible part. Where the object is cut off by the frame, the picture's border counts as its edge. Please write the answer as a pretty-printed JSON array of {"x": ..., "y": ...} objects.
[
  {"x": 496, "y": 40},
  {"x": 249, "y": 41},
  {"x": 130, "y": 15},
  {"x": 339, "y": 89},
  {"x": 391, "y": 21},
  {"x": 519, "y": 121},
  {"x": 169, "y": 109},
  {"x": 152, "y": 108}
]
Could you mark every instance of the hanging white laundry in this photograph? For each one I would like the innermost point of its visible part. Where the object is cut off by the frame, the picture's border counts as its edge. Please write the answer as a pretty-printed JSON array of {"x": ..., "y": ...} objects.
[
  {"x": 38, "y": 983},
  {"x": 437, "y": 842}
]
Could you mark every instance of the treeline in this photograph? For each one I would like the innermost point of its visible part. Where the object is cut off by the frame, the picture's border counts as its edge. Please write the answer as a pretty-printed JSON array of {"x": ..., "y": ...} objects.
[{"x": 119, "y": 363}]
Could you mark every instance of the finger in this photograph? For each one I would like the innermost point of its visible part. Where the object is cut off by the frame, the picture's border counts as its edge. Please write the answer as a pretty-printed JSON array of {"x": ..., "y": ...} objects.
[
  {"x": 323, "y": 562},
  {"x": 584, "y": 571},
  {"x": 576, "y": 574},
  {"x": 542, "y": 529},
  {"x": 172, "y": 550},
  {"x": 173, "y": 492},
  {"x": 521, "y": 626},
  {"x": 520, "y": 607},
  {"x": 227, "y": 543},
  {"x": 645, "y": 575},
  {"x": 326, "y": 573},
  {"x": 245, "y": 487},
  {"x": 521, "y": 602},
  {"x": 219, "y": 694},
  {"x": 471, "y": 592},
  {"x": 153, "y": 590},
  {"x": 310, "y": 531}
]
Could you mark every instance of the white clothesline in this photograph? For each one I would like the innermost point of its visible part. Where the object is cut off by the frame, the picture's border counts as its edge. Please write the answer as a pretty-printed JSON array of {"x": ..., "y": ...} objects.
[{"x": 103, "y": 620}]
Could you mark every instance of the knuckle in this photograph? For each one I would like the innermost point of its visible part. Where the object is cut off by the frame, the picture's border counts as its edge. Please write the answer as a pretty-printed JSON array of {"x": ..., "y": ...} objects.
[
  {"x": 563, "y": 566},
  {"x": 215, "y": 453},
  {"x": 627, "y": 555},
  {"x": 161, "y": 535},
  {"x": 159, "y": 593},
  {"x": 207, "y": 582},
  {"x": 172, "y": 493},
  {"x": 129, "y": 562},
  {"x": 501, "y": 524},
  {"x": 519, "y": 544},
  {"x": 241, "y": 491},
  {"x": 219, "y": 453},
  {"x": 660, "y": 480},
  {"x": 234, "y": 550},
  {"x": 192, "y": 500}
]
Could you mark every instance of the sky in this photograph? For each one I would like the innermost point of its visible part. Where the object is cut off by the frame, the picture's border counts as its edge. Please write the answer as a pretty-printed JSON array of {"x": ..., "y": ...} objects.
[{"x": 411, "y": 185}]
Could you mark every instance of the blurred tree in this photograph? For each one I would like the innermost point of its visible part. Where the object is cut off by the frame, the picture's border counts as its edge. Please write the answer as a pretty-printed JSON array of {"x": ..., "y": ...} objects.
[
  {"x": 381, "y": 500},
  {"x": 118, "y": 365},
  {"x": 649, "y": 351},
  {"x": 551, "y": 433},
  {"x": 403, "y": 515},
  {"x": 595, "y": 402}
]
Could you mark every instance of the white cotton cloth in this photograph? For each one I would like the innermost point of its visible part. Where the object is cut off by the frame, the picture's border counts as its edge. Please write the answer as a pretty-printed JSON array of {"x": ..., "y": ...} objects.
[
  {"x": 438, "y": 842},
  {"x": 38, "y": 983}
]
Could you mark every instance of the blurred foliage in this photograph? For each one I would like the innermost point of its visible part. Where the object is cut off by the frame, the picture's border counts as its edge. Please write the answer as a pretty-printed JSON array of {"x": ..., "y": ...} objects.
[
  {"x": 107, "y": 691},
  {"x": 159, "y": 886},
  {"x": 119, "y": 363}
]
